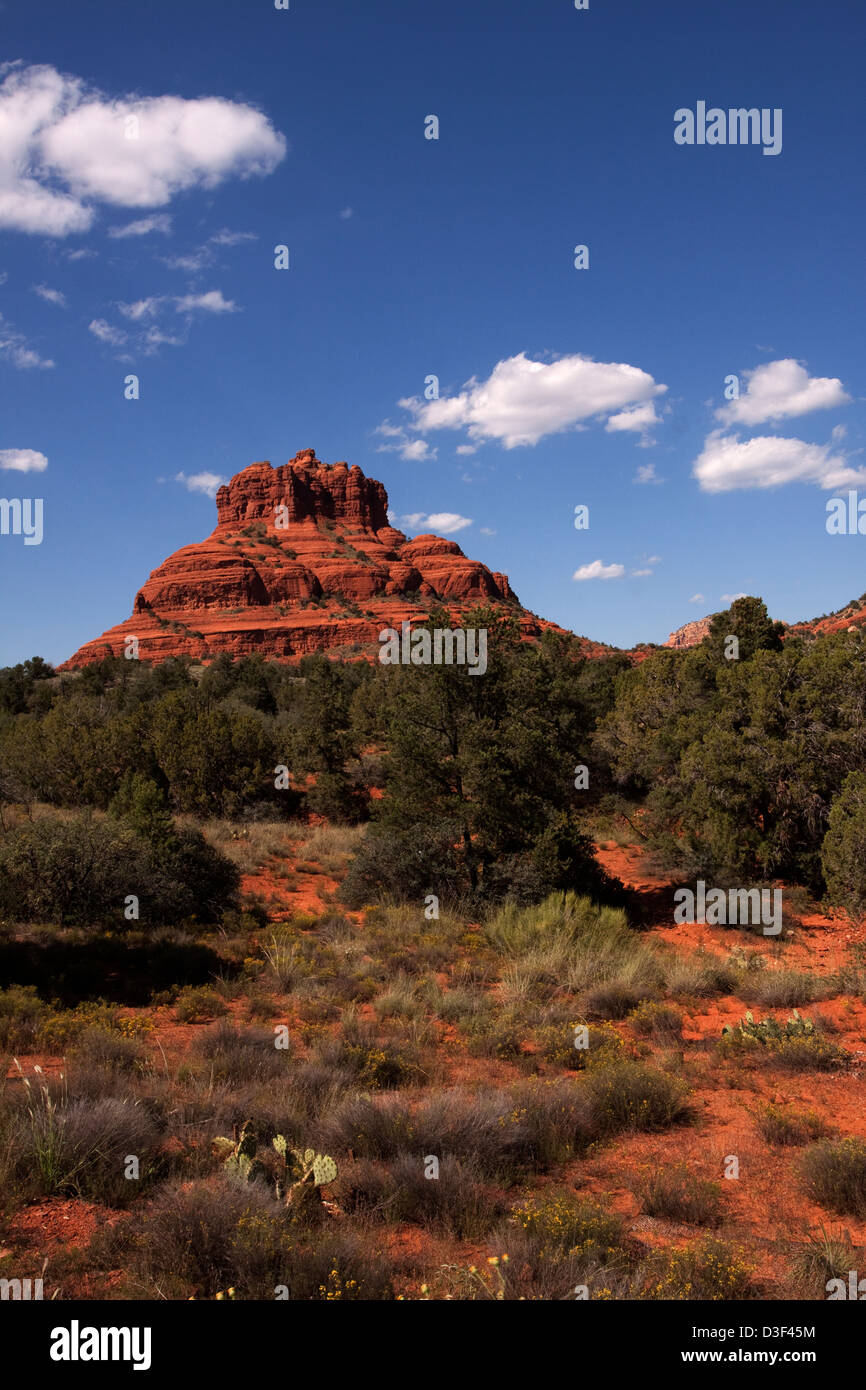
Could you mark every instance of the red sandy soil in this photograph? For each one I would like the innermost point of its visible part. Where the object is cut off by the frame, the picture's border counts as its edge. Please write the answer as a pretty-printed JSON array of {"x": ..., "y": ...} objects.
[{"x": 766, "y": 1209}]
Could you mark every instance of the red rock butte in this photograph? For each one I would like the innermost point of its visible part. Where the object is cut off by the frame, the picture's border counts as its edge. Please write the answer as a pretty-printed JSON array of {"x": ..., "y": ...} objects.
[{"x": 302, "y": 559}]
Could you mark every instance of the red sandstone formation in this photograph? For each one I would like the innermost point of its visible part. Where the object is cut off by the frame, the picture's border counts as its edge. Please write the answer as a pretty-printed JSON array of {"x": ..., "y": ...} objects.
[
  {"x": 303, "y": 559},
  {"x": 690, "y": 634}
]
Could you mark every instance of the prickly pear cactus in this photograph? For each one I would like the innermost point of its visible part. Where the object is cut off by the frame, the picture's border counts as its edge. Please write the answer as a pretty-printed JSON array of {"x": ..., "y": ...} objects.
[
  {"x": 279, "y": 1143},
  {"x": 324, "y": 1169}
]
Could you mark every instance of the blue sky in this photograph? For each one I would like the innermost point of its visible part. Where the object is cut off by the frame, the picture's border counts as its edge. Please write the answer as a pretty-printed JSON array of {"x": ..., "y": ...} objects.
[{"x": 453, "y": 257}]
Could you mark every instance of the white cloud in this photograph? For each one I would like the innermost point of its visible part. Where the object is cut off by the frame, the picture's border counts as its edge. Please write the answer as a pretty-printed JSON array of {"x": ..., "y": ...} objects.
[
  {"x": 639, "y": 418},
  {"x": 14, "y": 349},
  {"x": 412, "y": 450},
  {"x": 780, "y": 390},
  {"x": 730, "y": 598},
  {"x": 769, "y": 461},
  {"x": 23, "y": 460},
  {"x": 443, "y": 523},
  {"x": 448, "y": 522},
  {"x": 463, "y": 449},
  {"x": 646, "y": 473},
  {"x": 158, "y": 222},
  {"x": 596, "y": 570},
  {"x": 487, "y": 531},
  {"x": 141, "y": 309},
  {"x": 154, "y": 339},
  {"x": 51, "y": 296},
  {"x": 226, "y": 237},
  {"x": 65, "y": 147},
  {"x": 346, "y": 213},
  {"x": 640, "y": 574},
  {"x": 654, "y": 560},
  {"x": 106, "y": 333},
  {"x": 212, "y": 302},
  {"x": 523, "y": 400},
  {"x": 205, "y": 482},
  {"x": 192, "y": 262},
  {"x": 697, "y": 598}
]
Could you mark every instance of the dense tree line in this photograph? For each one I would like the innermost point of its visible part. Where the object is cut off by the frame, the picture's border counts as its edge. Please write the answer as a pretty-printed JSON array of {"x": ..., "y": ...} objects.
[{"x": 741, "y": 759}]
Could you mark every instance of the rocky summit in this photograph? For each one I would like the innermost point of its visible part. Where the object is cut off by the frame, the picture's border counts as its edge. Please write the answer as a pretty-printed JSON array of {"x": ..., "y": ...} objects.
[{"x": 302, "y": 559}]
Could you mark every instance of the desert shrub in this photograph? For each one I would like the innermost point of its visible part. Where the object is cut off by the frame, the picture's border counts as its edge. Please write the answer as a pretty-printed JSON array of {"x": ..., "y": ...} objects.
[
  {"x": 779, "y": 1125},
  {"x": 20, "y": 1012},
  {"x": 400, "y": 1000},
  {"x": 493, "y": 1036},
  {"x": 455, "y": 1202},
  {"x": 238, "y": 1056},
  {"x": 820, "y": 1258},
  {"x": 79, "y": 1146},
  {"x": 80, "y": 871},
  {"x": 656, "y": 1019},
  {"x": 559, "y": 1043},
  {"x": 402, "y": 864},
  {"x": 676, "y": 1194},
  {"x": 211, "y": 1235},
  {"x": 707, "y": 1269},
  {"x": 60, "y": 1029},
  {"x": 778, "y": 988},
  {"x": 102, "y": 1050},
  {"x": 377, "y": 1066},
  {"x": 701, "y": 974},
  {"x": 502, "y": 1133},
  {"x": 629, "y": 1095},
  {"x": 199, "y": 1004},
  {"x": 564, "y": 1223},
  {"x": 614, "y": 999},
  {"x": 834, "y": 1175}
]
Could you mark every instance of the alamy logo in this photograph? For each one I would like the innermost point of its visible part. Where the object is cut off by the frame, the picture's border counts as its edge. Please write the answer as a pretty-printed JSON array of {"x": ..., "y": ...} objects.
[
  {"x": 854, "y": 1290},
  {"x": 77, "y": 1343},
  {"x": 736, "y": 126},
  {"x": 739, "y": 907},
  {"x": 21, "y": 1290},
  {"x": 457, "y": 647},
  {"x": 22, "y": 516},
  {"x": 846, "y": 516}
]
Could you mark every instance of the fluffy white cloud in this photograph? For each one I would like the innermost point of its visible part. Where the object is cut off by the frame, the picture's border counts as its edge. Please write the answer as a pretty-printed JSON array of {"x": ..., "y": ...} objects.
[
  {"x": 444, "y": 523},
  {"x": 212, "y": 302},
  {"x": 448, "y": 522},
  {"x": 23, "y": 460},
  {"x": 727, "y": 463},
  {"x": 14, "y": 349},
  {"x": 697, "y": 598},
  {"x": 51, "y": 296},
  {"x": 731, "y": 598},
  {"x": 106, "y": 333},
  {"x": 640, "y": 574},
  {"x": 158, "y": 222},
  {"x": 399, "y": 442},
  {"x": 205, "y": 482},
  {"x": 596, "y": 570},
  {"x": 522, "y": 400},
  {"x": 639, "y": 418},
  {"x": 64, "y": 147},
  {"x": 780, "y": 390}
]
